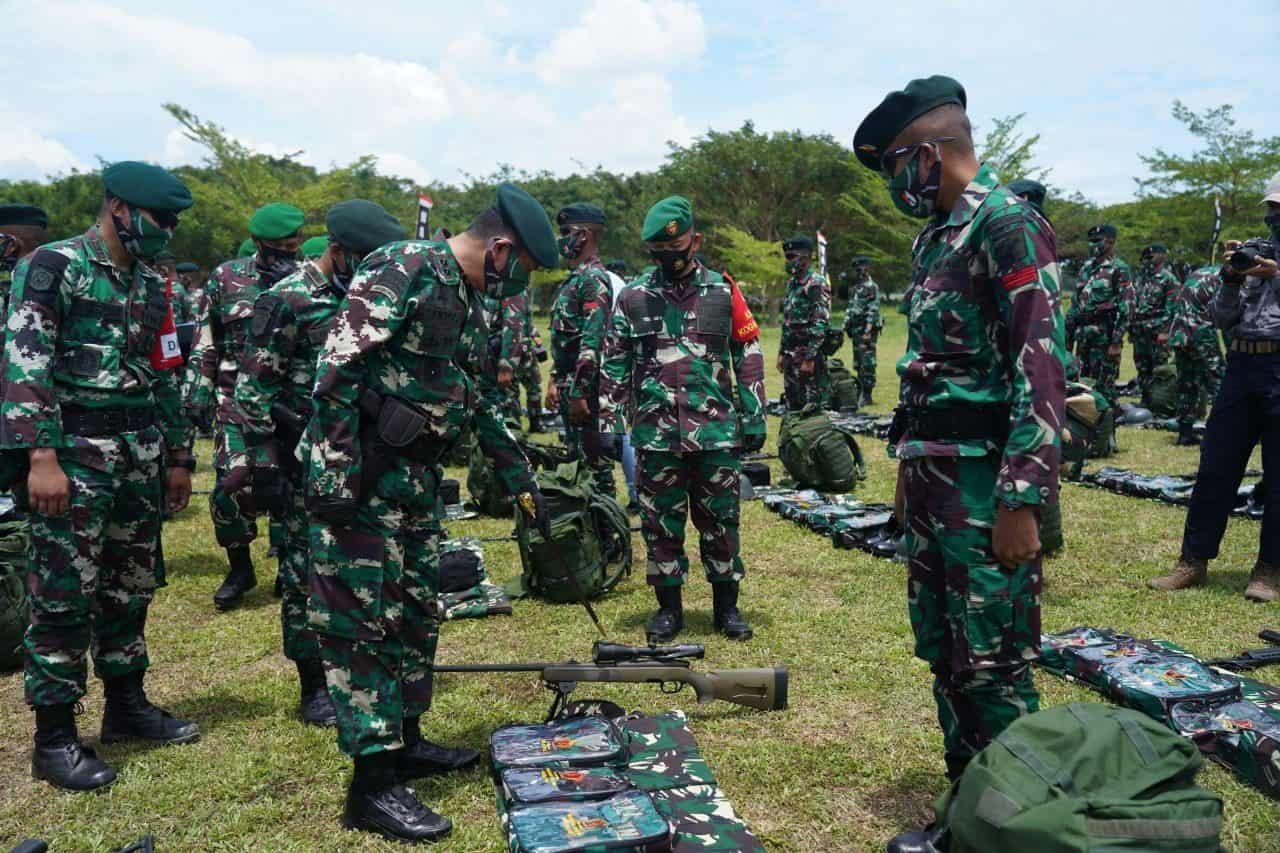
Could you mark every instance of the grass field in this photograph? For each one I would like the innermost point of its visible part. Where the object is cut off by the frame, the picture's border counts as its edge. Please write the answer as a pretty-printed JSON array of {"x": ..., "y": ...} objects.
[{"x": 855, "y": 760}]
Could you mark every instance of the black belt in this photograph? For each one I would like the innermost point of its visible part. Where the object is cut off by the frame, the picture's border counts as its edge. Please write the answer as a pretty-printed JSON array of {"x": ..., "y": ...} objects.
[
  {"x": 100, "y": 423},
  {"x": 971, "y": 423},
  {"x": 1254, "y": 347}
]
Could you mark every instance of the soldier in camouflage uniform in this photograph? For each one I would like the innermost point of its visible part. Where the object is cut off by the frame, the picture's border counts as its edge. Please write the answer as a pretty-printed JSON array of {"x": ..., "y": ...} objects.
[
  {"x": 683, "y": 361},
  {"x": 806, "y": 311},
  {"x": 404, "y": 371},
  {"x": 528, "y": 374},
  {"x": 1154, "y": 291},
  {"x": 22, "y": 229},
  {"x": 862, "y": 324},
  {"x": 290, "y": 324},
  {"x": 977, "y": 434},
  {"x": 1099, "y": 312},
  {"x": 226, "y": 306},
  {"x": 167, "y": 266},
  {"x": 192, "y": 286},
  {"x": 578, "y": 322},
  {"x": 1197, "y": 353},
  {"x": 510, "y": 345},
  {"x": 107, "y": 445}
]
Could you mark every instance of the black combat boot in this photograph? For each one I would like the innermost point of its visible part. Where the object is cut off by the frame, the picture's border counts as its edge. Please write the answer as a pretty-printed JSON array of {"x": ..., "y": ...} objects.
[
  {"x": 423, "y": 758},
  {"x": 535, "y": 420},
  {"x": 315, "y": 705},
  {"x": 866, "y": 399},
  {"x": 240, "y": 579},
  {"x": 1187, "y": 436},
  {"x": 728, "y": 619},
  {"x": 377, "y": 803},
  {"x": 129, "y": 714},
  {"x": 60, "y": 759},
  {"x": 669, "y": 620}
]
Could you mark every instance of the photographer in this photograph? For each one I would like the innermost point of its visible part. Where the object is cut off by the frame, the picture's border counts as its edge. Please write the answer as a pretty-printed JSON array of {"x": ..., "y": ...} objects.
[{"x": 1246, "y": 411}]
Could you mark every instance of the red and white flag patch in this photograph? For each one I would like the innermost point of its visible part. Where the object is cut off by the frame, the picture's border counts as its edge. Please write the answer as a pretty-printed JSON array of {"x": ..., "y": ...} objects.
[{"x": 1019, "y": 277}]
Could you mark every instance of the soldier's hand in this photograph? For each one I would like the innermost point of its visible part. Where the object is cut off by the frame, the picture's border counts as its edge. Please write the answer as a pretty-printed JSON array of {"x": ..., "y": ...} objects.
[
  {"x": 505, "y": 377},
  {"x": 579, "y": 412},
  {"x": 535, "y": 506},
  {"x": 806, "y": 367},
  {"x": 177, "y": 489},
  {"x": 1162, "y": 338},
  {"x": 1266, "y": 268},
  {"x": 48, "y": 489},
  {"x": 1016, "y": 536},
  {"x": 553, "y": 397},
  {"x": 1113, "y": 351},
  {"x": 866, "y": 337}
]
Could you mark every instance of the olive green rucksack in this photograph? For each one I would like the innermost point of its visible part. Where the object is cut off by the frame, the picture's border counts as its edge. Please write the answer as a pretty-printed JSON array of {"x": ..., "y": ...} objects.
[
  {"x": 1164, "y": 391},
  {"x": 590, "y": 539},
  {"x": 845, "y": 391},
  {"x": 1090, "y": 430},
  {"x": 817, "y": 453},
  {"x": 14, "y": 607}
]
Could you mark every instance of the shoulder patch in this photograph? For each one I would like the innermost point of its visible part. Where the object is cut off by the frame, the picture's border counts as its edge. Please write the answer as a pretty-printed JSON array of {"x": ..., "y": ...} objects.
[
  {"x": 1007, "y": 235},
  {"x": 46, "y": 270},
  {"x": 266, "y": 316}
]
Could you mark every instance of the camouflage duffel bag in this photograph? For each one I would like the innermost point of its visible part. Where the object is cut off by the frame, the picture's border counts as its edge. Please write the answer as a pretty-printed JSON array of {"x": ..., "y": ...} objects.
[{"x": 14, "y": 607}]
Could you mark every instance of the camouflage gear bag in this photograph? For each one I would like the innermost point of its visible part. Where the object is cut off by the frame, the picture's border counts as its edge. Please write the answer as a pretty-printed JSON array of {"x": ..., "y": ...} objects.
[
  {"x": 14, "y": 606},
  {"x": 590, "y": 539},
  {"x": 819, "y": 454}
]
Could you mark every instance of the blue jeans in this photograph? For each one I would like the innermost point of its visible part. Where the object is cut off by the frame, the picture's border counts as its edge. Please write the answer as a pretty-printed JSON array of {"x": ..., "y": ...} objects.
[
  {"x": 629, "y": 466},
  {"x": 1245, "y": 412}
]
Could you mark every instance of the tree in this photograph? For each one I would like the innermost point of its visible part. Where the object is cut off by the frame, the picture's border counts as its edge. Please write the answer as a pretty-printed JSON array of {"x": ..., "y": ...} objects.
[
  {"x": 756, "y": 265},
  {"x": 1010, "y": 153}
]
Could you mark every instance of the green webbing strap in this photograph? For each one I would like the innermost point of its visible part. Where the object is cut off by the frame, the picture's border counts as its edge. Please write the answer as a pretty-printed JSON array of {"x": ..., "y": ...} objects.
[
  {"x": 996, "y": 808},
  {"x": 1153, "y": 830},
  {"x": 1142, "y": 743},
  {"x": 1052, "y": 777}
]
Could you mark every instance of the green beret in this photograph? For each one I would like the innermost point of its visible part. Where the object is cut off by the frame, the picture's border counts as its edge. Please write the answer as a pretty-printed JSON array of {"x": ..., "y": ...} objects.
[
  {"x": 23, "y": 214},
  {"x": 146, "y": 186},
  {"x": 523, "y": 215},
  {"x": 165, "y": 255},
  {"x": 315, "y": 246},
  {"x": 275, "y": 221},
  {"x": 187, "y": 266},
  {"x": 1157, "y": 249},
  {"x": 363, "y": 226},
  {"x": 1032, "y": 191},
  {"x": 898, "y": 109},
  {"x": 667, "y": 219},
  {"x": 580, "y": 212},
  {"x": 247, "y": 248},
  {"x": 798, "y": 243},
  {"x": 862, "y": 261},
  {"x": 1099, "y": 232}
]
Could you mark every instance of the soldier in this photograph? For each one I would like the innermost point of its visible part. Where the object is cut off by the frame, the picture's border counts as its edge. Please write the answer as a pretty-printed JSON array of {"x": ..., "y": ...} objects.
[
  {"x": 167, "y": 266},
  {"x": 405, "y": 369},
  {"x": 578, "y": 318},
  {"x": 1099, "y": 314},
  {"x": 511, "y": 344},
  {"x": 1197, "y": 353},
  {"x": 226, "y": 307},
  {"x": 977, "y": 434},
  {"x": 862, "y": 324},
  {"x": 22, "y": 229},
  {"x": 107, "y": 444},
  {"x": 528, "y": 374},
  {"x": 806, "y": 310},
  {"x": 273, "y": 399},
  {"x": 1032, "y": 192},
  {"x": 313, "y": 248},
  {"x": 683, "y": 346},
  {"x": 1154, "y": 291},
  {"x": 192, "y": 287}
]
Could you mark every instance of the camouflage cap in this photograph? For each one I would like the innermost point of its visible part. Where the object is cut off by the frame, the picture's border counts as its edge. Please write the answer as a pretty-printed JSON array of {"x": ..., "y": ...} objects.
[
  {"x": 187, "y": 266},
  {"x": 581, "y": 212},
  {"x": 1099, "y": 232},
  {"x": 898, "y": 109},
  {"x": 667, "y": 219},
  {"x": 1032, "y": 191},
  {"x": 524, "y": 215},
  {"x": 146, "y": 186},
  {"x": 275, "y": 221},
  {"x": 247, "y": 248},
  {"x": 798, "y": 243},
  {"x": 23, "y": 214},
  {"x": 362, "y": 226},
  {"x": 314, "y": 247}
]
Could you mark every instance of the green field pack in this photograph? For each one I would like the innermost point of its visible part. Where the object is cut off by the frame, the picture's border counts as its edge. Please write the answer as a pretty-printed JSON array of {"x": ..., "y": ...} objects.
[
  {"x": 1090, "y": 430},
  {"x": 818, "y": 453},
  {"x": 846, "y": 393},
  {"x": 1082, "y": 778},
  {"x": 1163, "y": 391},
  {"x": 465, "y": 589},
  {"x": 14, "y": 606}
]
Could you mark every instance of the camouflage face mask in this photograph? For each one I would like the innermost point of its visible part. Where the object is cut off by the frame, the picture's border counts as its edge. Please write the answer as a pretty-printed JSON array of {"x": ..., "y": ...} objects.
[
  {"x": 139, "y": 236},
  {"x": 507, "y": 283},
  {"x": 915, "y": 196}
]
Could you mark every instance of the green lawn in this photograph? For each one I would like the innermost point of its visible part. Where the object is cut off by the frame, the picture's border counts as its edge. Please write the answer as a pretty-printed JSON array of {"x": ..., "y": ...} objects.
[{"x": 855, "y": 760}]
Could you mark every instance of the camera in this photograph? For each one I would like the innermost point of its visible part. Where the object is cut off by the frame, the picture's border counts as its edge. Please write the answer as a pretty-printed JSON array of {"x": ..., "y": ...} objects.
[{"x": 1247, "y": 256}]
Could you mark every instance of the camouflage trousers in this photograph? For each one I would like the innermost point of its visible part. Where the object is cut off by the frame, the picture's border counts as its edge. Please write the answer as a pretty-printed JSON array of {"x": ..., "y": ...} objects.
[
  {"x": 975, "y": 623},
  {"x": 295, "y": 563},
  {"x": 799, "y": 391},
  {"x": 864, "y": 361},
  {"x": 530, "y": 378},
  {"x": 1200, "y": 369},
  {"x": 373, "y": 607},
  {"x": 1096, "y": 364},
  {"x": 1148, "y": 354},
  {"x": 235, "y": 521},
  {"x": 94, "y": 569},
  {"x": 577, "y": 439},
  {"x": 672, "y": 486}
]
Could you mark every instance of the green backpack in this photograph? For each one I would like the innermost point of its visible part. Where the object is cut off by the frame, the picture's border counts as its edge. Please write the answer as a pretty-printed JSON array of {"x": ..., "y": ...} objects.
[
  {"x": 845, "y": 391},
  {"x": 14, "y": 607},
  {"x": 590, "y": 533},
  {"x": 1164, "y": 391},
  {"x": 1082, "y": 777},
  {"x": 818, "y": 454}
]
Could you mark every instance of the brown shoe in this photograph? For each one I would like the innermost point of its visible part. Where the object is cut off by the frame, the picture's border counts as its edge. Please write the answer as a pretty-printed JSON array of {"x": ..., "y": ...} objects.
[
  {"x": 1264, "y": 583},
  {"x": 1188, "y": 573}
]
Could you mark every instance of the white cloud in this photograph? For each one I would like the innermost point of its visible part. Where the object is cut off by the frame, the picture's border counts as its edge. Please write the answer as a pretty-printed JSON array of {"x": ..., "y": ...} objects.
[
  {"x": 24, "y": 153},
  {"x": 637, "y": 118},
  {"x": 626, "y": 36},
  {"x": 396, "y": 165}
]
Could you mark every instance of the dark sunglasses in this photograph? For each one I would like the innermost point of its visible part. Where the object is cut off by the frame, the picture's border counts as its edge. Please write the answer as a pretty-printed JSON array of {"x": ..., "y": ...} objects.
[{"x": 889, "y": 158}]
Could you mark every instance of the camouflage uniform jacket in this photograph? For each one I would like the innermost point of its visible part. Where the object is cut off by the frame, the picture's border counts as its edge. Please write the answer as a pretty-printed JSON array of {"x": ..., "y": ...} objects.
[
  {"x": 1191, "y": 321},
  {"x": 1104, "y": 297},
  {"x": 1154, "y": 293},
  {"x": 672, "y": 359},
  {"x": 862, "y": 315},
  {"x": 513, "y": 317},
  {"x": 806, "y": 310},
  {"x": 983, "y": 330},
  {"x": 290, "y": 325},
  {"x": 413, "y": 329},
  {"x": 222, "y": 327},
  {"x": 76, "y": 336},
  {"x": 578, "y": 318}
]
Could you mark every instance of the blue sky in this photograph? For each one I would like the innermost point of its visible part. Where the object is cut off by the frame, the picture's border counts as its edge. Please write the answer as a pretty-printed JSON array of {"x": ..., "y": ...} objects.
[{"x": 440, "y": 90}]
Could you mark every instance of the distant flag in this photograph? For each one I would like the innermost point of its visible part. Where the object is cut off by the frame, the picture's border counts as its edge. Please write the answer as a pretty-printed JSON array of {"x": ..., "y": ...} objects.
[
  {"x": 424, "y": 215},
  {"x": 822, "y": 254},
  {"x": 1217, "y": 229}
]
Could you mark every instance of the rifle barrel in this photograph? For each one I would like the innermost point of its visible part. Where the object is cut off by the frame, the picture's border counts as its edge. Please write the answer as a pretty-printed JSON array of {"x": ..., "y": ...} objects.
[{"x": 496, "y": 667}]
